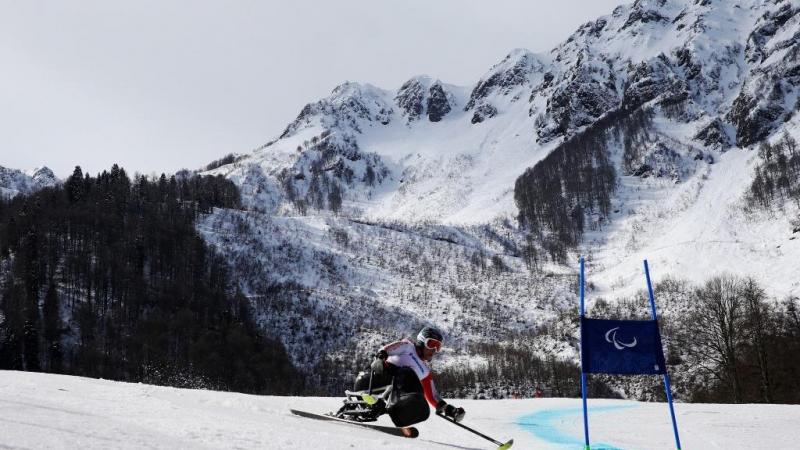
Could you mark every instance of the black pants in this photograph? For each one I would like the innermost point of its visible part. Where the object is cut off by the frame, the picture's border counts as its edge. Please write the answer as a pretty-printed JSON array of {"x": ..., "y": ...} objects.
[
  {"x": 406, "y": 404},
  {"x": 405, "y": 400}
]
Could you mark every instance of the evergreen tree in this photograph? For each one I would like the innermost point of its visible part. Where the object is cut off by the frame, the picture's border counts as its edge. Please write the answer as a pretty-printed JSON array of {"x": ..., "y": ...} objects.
[
  {"x": 145, "y": 298},
  {"x": 335, "y": 197}
]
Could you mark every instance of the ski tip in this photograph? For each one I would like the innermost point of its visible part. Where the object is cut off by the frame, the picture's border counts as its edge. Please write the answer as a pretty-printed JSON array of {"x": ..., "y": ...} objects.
[{"x": 506, "y": 446}]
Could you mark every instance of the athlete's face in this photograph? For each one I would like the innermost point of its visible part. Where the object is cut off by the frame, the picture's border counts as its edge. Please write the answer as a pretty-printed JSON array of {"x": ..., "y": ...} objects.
[{"x": 427, "y": 354}]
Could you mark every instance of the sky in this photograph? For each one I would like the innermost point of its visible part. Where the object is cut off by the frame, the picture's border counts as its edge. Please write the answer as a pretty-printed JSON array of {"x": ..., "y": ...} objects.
[{"x": 160, "y": 85}]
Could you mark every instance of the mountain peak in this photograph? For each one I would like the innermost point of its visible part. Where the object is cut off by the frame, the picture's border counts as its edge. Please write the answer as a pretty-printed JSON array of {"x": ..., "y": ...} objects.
[
  {"x": 350, "y": 89},
  {"x": 14, "y": 181},
  {"x": 510, "y": 73},
  {"x": 422, "y": 95},
  {"x": 350, "y": 107},
  {"x": 44, "y": 176}
]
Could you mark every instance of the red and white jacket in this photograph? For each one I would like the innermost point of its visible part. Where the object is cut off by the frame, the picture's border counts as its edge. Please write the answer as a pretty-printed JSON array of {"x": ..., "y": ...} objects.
[{"x": 404, "y": 354}]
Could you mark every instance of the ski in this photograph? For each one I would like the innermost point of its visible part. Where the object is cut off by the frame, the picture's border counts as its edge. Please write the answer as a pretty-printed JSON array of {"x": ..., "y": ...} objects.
[{"x": 409, "y": 432}]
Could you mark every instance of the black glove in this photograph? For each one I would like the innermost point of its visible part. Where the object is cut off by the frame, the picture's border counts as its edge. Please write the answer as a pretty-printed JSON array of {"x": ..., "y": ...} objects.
[
  {"x": 450, "y": 411},
  {"x": 378, "y": 364}
]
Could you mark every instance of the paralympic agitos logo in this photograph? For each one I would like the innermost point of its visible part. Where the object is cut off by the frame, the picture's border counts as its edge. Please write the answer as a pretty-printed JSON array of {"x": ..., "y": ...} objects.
[{"x": 611, "y": 337}]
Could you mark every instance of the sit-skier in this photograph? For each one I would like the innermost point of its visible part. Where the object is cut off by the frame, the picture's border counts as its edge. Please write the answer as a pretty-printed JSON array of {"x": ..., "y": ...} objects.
[{"x": 400, "y": 383}]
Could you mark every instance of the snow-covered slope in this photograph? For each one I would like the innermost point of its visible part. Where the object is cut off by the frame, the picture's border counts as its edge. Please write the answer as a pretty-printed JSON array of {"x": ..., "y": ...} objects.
[
  {"x": 13, "y": 182},
  {"x": 348, "y": 286},
  {"x": 54, "y": 411},
  {"x": 695, "y": 230}
]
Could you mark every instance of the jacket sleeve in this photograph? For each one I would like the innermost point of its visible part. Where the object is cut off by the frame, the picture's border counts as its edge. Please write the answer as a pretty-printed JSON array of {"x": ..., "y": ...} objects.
[
  {"x": 396, "y": 348},
  {"x": 429, "y": 389}
]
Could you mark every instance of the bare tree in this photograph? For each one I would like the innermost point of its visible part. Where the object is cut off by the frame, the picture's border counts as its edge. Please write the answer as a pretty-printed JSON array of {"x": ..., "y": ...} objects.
[
  {"x": 757, "y": 322},
  {"x": 718, "y": 330}
]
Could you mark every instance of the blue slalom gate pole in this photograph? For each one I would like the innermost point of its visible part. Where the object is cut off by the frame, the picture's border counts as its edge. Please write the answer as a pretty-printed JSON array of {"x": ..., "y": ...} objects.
[
  {"x": 583, "y": 375},
  {"x": 667, "y": 386}
]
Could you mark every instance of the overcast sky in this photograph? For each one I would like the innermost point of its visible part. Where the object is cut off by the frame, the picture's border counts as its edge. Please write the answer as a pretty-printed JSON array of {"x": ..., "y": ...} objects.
[{"x": 159, "y": 85}]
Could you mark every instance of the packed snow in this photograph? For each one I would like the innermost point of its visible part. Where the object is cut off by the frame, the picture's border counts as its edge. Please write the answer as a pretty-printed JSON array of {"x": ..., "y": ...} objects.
[{"x": 55, "y": 411}]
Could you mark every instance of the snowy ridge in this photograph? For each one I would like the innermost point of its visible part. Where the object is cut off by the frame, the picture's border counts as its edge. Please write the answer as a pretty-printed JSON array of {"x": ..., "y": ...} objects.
[{"x": 712, "y": 57}]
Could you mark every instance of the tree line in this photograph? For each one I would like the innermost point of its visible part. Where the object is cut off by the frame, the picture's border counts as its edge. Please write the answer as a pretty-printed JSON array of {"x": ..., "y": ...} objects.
[
  {"x": 107, "y": 277},
  {"x": 513, "y": 371},
  {"x": 743, "y": 344},
  {"x": 725, "y": 340}
]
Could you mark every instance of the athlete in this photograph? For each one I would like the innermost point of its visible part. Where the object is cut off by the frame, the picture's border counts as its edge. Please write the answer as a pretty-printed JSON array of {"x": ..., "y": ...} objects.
[{"x": 407, "y": 363}]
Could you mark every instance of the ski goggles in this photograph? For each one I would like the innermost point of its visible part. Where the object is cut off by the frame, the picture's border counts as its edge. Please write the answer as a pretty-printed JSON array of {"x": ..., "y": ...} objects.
[{"x": 432, "y": 344}]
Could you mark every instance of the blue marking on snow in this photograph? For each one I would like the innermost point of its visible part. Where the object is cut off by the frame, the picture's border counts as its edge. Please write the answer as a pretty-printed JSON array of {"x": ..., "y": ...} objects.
[{"x": 543, "y": 424}]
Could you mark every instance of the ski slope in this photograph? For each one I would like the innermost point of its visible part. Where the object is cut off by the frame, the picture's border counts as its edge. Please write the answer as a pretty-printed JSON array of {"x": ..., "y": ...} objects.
[{"x": 39, "y": 411}]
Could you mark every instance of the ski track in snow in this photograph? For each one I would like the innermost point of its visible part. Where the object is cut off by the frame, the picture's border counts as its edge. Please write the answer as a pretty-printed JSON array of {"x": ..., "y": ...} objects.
[{"x": 43, "y": 411}]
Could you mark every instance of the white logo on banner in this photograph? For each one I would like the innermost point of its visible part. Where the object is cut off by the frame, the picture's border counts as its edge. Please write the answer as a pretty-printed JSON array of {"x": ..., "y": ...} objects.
[{"x": 611, "y": 336}]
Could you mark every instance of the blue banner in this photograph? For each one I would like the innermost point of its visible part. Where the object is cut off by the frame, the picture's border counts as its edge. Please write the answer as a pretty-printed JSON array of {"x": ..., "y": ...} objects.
[{"x": 621, "y": 347}]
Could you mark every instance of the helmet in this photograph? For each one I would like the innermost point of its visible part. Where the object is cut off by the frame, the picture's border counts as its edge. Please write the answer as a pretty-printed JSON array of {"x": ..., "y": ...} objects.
[{"x": 431, "y": 338}]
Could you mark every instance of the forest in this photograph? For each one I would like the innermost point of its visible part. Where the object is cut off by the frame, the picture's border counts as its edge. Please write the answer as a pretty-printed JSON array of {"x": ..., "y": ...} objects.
[
  {"x": 576, "y": 181},
  {"x": 107, "y": 277},
  {"x": 777, "y": 177}
]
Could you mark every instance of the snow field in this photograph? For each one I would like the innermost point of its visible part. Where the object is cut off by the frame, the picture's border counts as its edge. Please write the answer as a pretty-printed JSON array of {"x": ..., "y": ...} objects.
[{"x": 45, "y": 411}]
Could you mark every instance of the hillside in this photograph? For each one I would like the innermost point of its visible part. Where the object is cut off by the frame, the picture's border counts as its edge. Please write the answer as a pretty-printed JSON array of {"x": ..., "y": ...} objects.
[{"x": 378, "y": 210}]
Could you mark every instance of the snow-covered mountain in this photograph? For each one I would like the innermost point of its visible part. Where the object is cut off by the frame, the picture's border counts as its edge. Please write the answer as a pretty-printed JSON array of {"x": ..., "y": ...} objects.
[
  {"x": 377, "y": 210},
  {"x": 450, "y": 154},
  {"x": 14, "y": 182}
]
